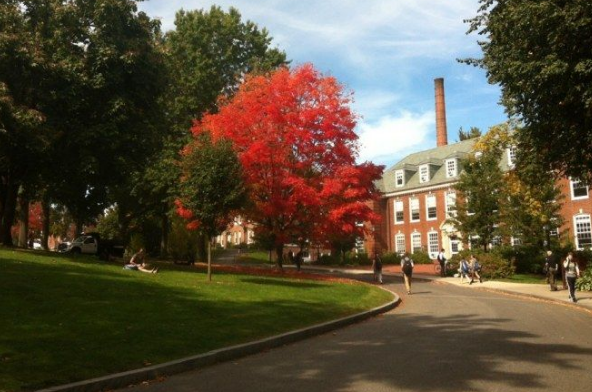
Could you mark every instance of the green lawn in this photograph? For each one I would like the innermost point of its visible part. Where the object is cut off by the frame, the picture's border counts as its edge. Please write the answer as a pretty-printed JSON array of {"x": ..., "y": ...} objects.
[
  {"x": 65, "y": 319},
  {"x": 525, "y": 278}
]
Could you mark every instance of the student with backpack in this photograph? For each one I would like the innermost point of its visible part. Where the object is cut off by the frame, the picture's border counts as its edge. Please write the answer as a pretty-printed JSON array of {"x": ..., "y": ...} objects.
[
  {"x": 475, "y": 269},
  {"x": 407, "y": 269}
]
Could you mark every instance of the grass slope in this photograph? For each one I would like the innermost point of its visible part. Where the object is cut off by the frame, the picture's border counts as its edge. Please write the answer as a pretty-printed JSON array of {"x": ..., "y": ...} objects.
[{"x": 65, "y": 319}]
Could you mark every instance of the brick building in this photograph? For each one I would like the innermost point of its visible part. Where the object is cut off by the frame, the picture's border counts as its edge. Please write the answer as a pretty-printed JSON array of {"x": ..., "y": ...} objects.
[{"x": 418, "y": 197}]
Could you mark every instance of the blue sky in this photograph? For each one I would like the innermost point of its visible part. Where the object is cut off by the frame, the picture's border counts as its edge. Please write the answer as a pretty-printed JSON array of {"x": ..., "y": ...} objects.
[{"x": 388, "y": 52}]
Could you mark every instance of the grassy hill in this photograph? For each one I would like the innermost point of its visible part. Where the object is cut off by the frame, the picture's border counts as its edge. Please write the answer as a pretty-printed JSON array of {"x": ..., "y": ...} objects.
[{"x": 66, "y": 318}]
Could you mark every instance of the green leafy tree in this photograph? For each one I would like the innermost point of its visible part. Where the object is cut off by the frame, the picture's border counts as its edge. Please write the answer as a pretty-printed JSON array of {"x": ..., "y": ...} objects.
[
  {"x": 477, "y": 213},
  {"x": 472, "y": 133},
  {"x": 538, "y": 52},
  {"x": 207, "y": 56},
  {"x": 212, "y": 188},
  {"x": 78, "y": 88}
]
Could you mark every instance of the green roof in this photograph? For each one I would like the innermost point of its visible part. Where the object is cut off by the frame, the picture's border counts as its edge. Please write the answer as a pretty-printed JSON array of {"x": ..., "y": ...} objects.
[{"x": 435, "y": 158}]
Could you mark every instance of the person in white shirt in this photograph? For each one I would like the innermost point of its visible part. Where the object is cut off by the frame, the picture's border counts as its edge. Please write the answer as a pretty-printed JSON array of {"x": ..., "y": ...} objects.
[{"x": 572, "y": 272}]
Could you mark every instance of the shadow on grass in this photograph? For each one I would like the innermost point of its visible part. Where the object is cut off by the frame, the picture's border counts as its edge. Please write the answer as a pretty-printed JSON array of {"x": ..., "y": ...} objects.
[
  {"x": 64, "y": 321},
  {"x": 283, "y": 283}
]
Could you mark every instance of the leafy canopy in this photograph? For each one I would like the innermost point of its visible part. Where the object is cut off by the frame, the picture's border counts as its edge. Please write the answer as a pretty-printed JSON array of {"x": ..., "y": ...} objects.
[
  {"x": 294, "y": 135},
  {"x": 539, "y": 54}
]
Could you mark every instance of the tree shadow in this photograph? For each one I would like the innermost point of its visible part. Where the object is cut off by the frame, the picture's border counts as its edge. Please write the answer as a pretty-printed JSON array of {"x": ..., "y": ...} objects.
[{"x": 282, "y": 282}]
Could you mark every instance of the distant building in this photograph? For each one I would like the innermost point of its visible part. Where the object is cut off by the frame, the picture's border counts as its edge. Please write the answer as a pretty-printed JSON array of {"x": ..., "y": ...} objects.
[{"x": 418, "y": 196}]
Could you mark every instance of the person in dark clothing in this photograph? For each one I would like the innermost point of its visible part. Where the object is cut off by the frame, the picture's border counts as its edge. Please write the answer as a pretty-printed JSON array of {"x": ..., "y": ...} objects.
[
  {"x": 377, "y": 268},
  {"x": 442, "y": 260},
  {"x": 551, "y": 268}
]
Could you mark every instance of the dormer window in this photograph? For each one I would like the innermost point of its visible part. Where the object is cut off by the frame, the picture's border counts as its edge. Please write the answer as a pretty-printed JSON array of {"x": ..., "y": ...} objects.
[
  {"x": 424, "y": 174},
  {"x": 399, "y": 178},
  {"x": 511, "y": 156},
  {"x": 451, "y": 169}
]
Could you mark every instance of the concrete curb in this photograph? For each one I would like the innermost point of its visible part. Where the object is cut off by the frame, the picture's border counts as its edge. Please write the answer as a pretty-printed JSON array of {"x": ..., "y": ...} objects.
[{"x": 124, "y": 379}]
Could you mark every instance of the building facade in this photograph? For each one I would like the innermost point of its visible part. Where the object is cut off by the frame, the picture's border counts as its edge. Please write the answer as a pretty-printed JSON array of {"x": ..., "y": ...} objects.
[{"x": 418, "y": 198}]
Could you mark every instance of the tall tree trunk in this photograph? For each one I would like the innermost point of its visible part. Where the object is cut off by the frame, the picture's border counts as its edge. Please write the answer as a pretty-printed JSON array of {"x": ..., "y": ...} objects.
[
  {"x": 8, "y": 213},
  {"x": 279, "y": 251},
  {"x": 209, "y": 246},
  {"x": 23, "y": 237},
  {"x": 164, "y": 238},
  {"x": 46, "y": 222}
]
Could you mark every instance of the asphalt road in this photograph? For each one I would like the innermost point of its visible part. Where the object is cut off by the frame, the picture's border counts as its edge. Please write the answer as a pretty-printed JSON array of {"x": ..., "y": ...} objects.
[{"x": 441, "y": 338}]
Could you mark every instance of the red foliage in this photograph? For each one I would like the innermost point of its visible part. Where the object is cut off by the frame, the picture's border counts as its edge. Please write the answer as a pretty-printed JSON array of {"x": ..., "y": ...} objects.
[
  {"x": 294, "y": 134},
  {"x": 187, "y": 215}
]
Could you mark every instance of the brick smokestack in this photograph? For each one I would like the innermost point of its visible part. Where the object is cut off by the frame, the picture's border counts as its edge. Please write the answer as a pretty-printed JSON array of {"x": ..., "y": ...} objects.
[{"x": 441, "y": 133}]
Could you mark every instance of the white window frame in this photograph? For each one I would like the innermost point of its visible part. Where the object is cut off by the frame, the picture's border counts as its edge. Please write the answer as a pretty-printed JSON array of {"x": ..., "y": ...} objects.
[
  {"x": 451, "y": 168},
  {"x": 511, "y": 151},
  {"x": 412, "y": 201},
  {"x": 579, "y": 222},
  {"x": 455, "y": 246},
  {"x": 424, "y": 174},
  {"x": 450, "y": 204},
  {"x": 400, "y": 243},
  {"x": 399, "y": 204},
  {"x": 433, "y": 244},
  {"x": 572, "y": 185},
  {"x": 399, "y": 175},
  {"x": 515, "y": 241},
  {"x": 415, "y": 242},
  {"x": 431, "y": 199}
]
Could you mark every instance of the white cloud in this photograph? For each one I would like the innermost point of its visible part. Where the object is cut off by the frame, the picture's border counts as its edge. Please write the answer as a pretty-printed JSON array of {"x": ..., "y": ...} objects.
[{"x": 392, "y": 137}]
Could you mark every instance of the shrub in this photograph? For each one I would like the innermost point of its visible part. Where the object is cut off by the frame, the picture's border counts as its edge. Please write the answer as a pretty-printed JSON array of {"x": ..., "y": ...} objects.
[
  {"x": 584, "y": 283},
  {"x": 421, "y": 257},
  {"x": 391, "y": 258},
  {"x": 525, "y": 259},
  {"x": 182, "y": 244},
  {"x": 493, "y": 265}
]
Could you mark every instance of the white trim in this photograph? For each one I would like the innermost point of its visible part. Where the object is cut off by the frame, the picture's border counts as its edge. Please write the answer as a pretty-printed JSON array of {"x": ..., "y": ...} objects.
[
  {"x": 511, "y": 154},
  {"x": 424, "y": 173},
  {"x": 411, "y": 202},
  {"x": 587, "y": 219},
  {"x": 400, "y": 173},
  {"x": 418, "y": 190},
  {"x": 571, "y": 188},
  {"x": 454, "y": 172},
  {"x": 402, "y": 204},
  {"x": 431, "y": 196},
  {"x": 431, "y": 245},
  {"x": 413, "y": 236},
  {"x": 402, "y": 242}
]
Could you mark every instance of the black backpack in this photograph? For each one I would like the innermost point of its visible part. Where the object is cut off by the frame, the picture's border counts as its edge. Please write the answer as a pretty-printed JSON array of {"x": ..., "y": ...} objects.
[{"x": 407, "y": 267}]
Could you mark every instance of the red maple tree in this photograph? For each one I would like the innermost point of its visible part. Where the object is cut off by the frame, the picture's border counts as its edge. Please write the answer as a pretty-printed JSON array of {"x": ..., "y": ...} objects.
[{"x": 293, "y": 131}]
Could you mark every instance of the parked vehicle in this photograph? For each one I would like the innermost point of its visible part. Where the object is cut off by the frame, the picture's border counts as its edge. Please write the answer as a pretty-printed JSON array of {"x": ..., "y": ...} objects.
[{"x": 92, "y": 244}]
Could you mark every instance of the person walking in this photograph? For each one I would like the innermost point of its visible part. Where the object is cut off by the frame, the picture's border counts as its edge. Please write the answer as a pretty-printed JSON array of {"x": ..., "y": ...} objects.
[
  {"x": 551, "y": 268},
  {"x": 475, "y": 269},
  {"x": 442, "y": 260},
  {"x": 464, "y": 270},
  {"x": 377, "y": 268},
  {"x": 407, "y": 269},
  {"x": 572, "y": 272}
]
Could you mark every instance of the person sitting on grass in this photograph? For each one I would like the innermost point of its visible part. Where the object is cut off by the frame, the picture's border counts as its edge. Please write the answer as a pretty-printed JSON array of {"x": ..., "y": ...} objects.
[{"x": 136, "y": 263}]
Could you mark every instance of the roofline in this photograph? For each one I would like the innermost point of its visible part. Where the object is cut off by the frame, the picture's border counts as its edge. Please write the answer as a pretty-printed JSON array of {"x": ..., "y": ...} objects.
[{"x": 419, "y": 189}]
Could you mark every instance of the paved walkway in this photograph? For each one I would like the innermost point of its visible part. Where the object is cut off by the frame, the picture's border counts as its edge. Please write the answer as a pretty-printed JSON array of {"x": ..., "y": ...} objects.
[{"x": 539, "y": 291}]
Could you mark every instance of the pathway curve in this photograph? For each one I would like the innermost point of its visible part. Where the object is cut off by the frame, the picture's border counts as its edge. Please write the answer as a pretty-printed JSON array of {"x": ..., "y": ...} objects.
[{"x": 441, "y": 338}]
